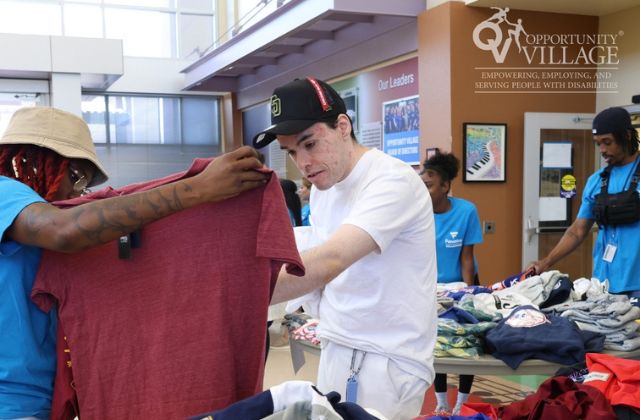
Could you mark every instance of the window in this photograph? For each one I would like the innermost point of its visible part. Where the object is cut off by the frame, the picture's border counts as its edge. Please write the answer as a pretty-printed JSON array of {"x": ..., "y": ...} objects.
[
  {"x": 201, "y": 5},
  {"x": 148, "y": 28},
  {"x": 152, "y": 119},
  {"x": 20, "y": 17},
  {"x": 252, "y": 11},
  {"x": 94, "y": 110},
  {"x": 83, "y": 20},
  {"x": 196, "y": 35},
  {"x": 11, "y": 102},
  {"x": 198, "y": 126},
  {"x": 143, "y": 33},
  {"x": 145, "y": 3}
]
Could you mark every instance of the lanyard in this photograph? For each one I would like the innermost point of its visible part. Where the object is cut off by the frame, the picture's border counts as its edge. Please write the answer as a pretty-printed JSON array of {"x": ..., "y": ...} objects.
[
  {"x": 352, "y": 382},
  {"x": 355, "y": 372}
]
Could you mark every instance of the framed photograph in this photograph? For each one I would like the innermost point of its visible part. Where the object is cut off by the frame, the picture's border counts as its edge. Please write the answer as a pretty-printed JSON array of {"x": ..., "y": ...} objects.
[
  {"x": 484, "y": 152},
  {"x": 432, "y": 151},
  {"x": 401, "y": 125}
]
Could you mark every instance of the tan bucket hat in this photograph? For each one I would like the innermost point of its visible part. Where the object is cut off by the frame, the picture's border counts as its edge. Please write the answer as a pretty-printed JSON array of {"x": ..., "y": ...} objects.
[{"x": 63, "y": 132}]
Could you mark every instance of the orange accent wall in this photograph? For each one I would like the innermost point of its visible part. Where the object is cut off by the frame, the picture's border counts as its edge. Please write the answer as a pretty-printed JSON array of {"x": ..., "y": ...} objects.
[{"x": 447, "y": 59}]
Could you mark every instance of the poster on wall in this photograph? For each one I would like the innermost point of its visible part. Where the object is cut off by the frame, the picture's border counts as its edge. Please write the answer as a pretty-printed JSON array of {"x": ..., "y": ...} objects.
[
  {"x": 400, "y": 134},
  {"x": 371, "y": 135},
  {"x": 370, "y": 94}
]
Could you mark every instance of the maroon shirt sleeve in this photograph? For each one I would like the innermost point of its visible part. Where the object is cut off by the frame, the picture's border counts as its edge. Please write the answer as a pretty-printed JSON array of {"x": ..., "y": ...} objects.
[{"x": 275, "y": 234}]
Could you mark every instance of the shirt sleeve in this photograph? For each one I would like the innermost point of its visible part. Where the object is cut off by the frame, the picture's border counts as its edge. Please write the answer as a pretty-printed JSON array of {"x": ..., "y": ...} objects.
[
  {"x": 591, "y": 189},
  {"x": 15, "y": 196}
]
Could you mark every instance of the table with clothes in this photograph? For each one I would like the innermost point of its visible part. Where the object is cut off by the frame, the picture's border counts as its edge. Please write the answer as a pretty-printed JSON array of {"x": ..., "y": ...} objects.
[
  {"x": 585, "y": 338},
  {"x": 546, "y": 317},
  {"x": 523, "y": 325},
  {"x": 607, "y": 389},
  {"x": 575, "y": 332}
]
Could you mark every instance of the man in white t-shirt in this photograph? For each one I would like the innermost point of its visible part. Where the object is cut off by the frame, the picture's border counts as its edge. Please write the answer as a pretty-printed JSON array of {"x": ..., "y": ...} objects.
[{"x": 372, "y": 263}]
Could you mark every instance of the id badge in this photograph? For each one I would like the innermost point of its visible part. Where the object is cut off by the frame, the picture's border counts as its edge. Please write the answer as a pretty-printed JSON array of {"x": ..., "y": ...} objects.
[
  {"x": 609, "y": 253},
  {"x": 352, "y": 389}
]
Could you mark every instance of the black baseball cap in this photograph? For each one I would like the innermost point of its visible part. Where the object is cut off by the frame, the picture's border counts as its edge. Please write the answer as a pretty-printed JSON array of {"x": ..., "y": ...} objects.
[
  {"x": 298, "y": 105},
  {"x": 611, "y": 120}
]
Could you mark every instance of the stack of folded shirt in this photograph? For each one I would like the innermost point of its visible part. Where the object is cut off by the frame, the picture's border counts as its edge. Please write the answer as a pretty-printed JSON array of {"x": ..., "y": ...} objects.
[
  {"x": 528, "y": 334},
  {"x": 611, "y": 315},
  {"x": 547, "y": 289},
  {"x": 460, "y": 334}
]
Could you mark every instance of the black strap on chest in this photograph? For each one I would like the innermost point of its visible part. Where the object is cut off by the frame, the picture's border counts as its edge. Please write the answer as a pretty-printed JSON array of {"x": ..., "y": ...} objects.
[
  {"x": 604, "y": 179},
  {"x": 620, "y": 208}
]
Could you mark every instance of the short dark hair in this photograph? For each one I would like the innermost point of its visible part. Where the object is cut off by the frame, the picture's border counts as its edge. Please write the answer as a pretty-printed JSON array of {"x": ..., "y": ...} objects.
[
  {"x": 445, "y": 164},
  {"x": 333, "y": 124}
]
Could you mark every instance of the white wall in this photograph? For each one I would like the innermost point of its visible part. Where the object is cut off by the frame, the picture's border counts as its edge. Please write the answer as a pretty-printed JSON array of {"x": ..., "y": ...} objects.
[
  {"x": 66, "y": 92},
  {"x": 97, "y": 61},
  {"x": 152, "y": 75},
  {"x": 30, "y": 54}
]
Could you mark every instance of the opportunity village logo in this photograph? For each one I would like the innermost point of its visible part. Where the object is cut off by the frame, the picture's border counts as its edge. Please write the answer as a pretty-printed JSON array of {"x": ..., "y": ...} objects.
[{"x": 556, "y": 63}]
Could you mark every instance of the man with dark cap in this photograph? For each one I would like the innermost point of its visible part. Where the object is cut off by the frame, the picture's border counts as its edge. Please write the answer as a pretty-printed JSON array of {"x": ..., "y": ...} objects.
[
  {"x": 612, "y": 200},
  {"x": 370, "y": 260}
]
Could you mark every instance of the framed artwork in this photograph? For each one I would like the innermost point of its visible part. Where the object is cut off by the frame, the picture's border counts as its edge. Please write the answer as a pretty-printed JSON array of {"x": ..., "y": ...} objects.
[
  {"x": 432, "y": 151},
  {"x": 484, "y": 152}
]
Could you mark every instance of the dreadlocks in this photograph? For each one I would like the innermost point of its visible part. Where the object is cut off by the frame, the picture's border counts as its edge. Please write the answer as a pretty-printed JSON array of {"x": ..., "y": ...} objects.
[
  {"x": 629, "y": 144},
  {"x": 40, "y": 168}
]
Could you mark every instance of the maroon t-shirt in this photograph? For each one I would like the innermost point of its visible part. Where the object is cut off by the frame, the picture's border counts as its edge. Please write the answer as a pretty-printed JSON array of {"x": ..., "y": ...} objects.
[{"x": 179, "y": 327}]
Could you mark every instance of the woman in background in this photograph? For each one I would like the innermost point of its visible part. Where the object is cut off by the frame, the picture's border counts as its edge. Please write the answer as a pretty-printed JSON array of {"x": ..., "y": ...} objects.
[
  {"x": 305, "y": 193},
  {"x": 289, "y": 188},
  {"x": 457, "y": 230}
]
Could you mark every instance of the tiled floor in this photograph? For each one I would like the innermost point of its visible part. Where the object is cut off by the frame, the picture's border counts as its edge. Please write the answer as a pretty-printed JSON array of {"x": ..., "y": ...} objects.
[
  {"x": 279, "y": 367},
  {"x": 497, "y": 390}
]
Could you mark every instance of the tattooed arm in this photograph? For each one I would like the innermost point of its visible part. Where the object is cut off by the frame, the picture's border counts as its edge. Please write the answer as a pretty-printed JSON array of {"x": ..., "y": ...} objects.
[{"x": 77, "y": 228}]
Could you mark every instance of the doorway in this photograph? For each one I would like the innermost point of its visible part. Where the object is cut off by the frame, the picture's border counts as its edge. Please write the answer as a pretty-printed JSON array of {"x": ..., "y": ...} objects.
[{"x": 559, "y": 156}]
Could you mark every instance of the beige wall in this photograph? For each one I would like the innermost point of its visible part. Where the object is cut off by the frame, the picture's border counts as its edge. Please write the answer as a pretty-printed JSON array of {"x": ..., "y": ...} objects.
[
  {"x": 434, "y": 68},
  {"x": 628, "y": 74},
  {"x": 500, "y": 254}
]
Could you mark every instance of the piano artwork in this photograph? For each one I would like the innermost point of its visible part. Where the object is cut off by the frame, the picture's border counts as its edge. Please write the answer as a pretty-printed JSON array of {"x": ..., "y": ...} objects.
[{"x": 484, "y": 153}]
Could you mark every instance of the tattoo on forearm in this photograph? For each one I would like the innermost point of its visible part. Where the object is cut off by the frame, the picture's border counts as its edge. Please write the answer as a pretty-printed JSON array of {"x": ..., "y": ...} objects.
[{"x": 104, "y": 220}]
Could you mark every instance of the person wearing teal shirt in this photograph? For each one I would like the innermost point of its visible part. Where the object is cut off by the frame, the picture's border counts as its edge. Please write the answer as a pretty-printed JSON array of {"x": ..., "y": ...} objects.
[
  {"x": 457, "y": 231},
  {"x": 305, "y": 195},
  {"x": 616, "y": 255},
  {"x": 47, "y": 154}
]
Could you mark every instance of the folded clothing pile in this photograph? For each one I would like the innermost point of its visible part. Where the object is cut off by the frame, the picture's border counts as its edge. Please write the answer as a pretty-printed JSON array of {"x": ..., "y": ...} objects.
[
  {"x": 460, "y": 334},
  {"x": 613, "y": 316},
  {"x": 528, "y": 334}
]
